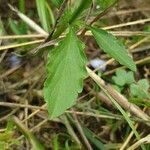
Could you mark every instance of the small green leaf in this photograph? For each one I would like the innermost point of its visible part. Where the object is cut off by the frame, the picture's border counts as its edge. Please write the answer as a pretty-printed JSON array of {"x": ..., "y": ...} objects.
[
  {"x": 118, "y": 88},
  {"x": 111, "y": 46},
  {"x": 119, "y": 78},
  {"x": 66, "y": 71},
  {"x": 129, "y": 77},
  {"x": 122, "y": 77},
  {"x": 140, "y": 90}
]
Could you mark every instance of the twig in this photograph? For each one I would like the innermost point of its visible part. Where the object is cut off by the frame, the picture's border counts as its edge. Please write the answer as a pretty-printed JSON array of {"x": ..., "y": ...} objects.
[
  {"x": 130, "y": 136},
  {"x": 35, "y": 112},
  {"x": 139, "y": 43},
  {"x": 26, "y": 36},
  {"x": 138, "y": 62},
  {"x": 8, "y": 115},
  {"x": 35, "y": 143},
  {"x": 141, "y": 49},
  {"x": 10, "y": 71},
  {"x": 88, "y": 33},
  {"x": 138, "y": 143},
  {"x": 70, "y": 130},
  {"x": 125, "y": 12},
  {"x": 38, "y": 125},
  {"x": 142, "y": 21},
  {"x": 3, "y": 56},
  {"x": 119, "y": 100},
  {"x": 87, "y": 144},
  {"x": 118, "y": 97},
  {"x": 20, "y": 45},
  {"x": 43, "y": 107}
]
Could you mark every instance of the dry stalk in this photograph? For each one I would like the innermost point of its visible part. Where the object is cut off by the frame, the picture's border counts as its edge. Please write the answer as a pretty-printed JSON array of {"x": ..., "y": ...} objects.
[{"x": 118, "y": 97}]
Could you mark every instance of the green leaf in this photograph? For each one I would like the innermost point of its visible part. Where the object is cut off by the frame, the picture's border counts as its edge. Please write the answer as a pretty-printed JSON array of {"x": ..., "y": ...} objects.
[
  {"x": 122, "y": 77},
  {"x": 140, "y": 90},
  {"x": 70, "y": 16},
  {"x": 129, "y": 77},
  {"x": 119, "y": 79},
  {"x": 118, "y": 88},
  {"x": 66, "y": 71},
  {"x": 14, "y": 26},
  {"x": 84, "y": 4},
  {"x": 110, "y": 45},
  {"x": 45, "y": 14}
]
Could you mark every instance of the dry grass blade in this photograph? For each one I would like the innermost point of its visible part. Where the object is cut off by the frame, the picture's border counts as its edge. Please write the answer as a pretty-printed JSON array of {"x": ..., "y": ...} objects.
[
  {"x": 119, "y": 98},
  {"x": 78, "y": 126},
  {"x": 35, "y": 143},
  {"x": 22, "y": 36},
  {"x": 138, "y": 62},
  {"x": 20, "y": 45},
  {"x": 129, "y": 136},
  {"x": 138, "y": 143},
  {"x": 109, "y": 111},
  {"x": 28, "y": 21},
  {"x": 142, "y": 21},
  {"x": 88, "y": 33}
]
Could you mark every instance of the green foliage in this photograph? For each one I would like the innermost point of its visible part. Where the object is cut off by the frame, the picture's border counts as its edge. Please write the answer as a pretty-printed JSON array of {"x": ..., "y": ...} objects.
[
  {"x": 140, "y": 89},
  {"x": 57, "y": 3},
  {"x": 68, "y": 75},
  {"x": 111, "y": 46},
  {"x": 63, "y": 23},
  {"x": 140, "y": 102},
  {"x": 78, "y": 11},
  {"x": 18, "y": 27},
  {"x": 104, "y": 3},
  {"x": 68, "y": 143},
  {"x": 7, "y": 136},
  {"x": 124, "y": 113},
  {"x": 33, "y": 140},
  {"x": 66, "y": 71},
  {"x": 70, "y": 16},
  {"x": 21, "y": 6},
  {"x": 45, "y": 14},
  {"x": 122, "y": 77}
]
